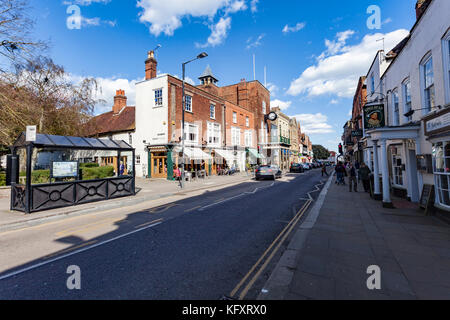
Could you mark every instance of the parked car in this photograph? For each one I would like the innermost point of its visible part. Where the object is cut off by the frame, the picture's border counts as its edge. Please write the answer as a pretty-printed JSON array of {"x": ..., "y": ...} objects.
[
  {"x": 296, "y": 168},
  {"x": 268, "y": 172},
  {"x": 306, "y": 166}
]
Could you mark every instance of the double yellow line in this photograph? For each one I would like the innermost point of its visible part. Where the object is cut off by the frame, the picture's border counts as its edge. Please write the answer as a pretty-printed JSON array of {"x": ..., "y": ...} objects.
[{"x": 277, "y": 244}]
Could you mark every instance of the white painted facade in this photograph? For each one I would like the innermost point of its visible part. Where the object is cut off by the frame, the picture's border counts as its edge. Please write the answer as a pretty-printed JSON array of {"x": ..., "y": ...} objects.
[
  {"x": 404, "y": 137},
  {"x": 151, "y": 119}
]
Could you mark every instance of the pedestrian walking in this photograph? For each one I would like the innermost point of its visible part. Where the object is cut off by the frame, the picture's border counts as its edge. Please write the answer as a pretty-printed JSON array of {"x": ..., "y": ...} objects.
[
  {"x": 352, "y": 180},
  {"x": 177, "y": 172},
  {"x": 340, "y": 173},
  {"x": 324, "y": 170},
  {"x": 364, "y": 175}
]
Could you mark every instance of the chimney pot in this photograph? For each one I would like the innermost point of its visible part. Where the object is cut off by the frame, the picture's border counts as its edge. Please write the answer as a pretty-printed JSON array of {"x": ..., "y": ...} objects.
[
  {"x": 150, "y": 66},
  {"x": 120, "y": 101}
]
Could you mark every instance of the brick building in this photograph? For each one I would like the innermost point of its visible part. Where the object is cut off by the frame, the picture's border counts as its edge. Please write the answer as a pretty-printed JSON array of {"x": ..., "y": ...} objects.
[{"x": 220, "y": 126}]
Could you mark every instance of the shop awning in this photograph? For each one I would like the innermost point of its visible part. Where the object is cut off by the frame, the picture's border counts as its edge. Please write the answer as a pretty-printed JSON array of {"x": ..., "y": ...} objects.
[
  {"x": 255, "y": 153},
  {"x": 226, "y": 154},
  {"x": 194, "y": 153}
]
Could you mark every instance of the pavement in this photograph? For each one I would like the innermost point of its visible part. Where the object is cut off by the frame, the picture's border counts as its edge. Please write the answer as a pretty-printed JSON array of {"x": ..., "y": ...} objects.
[
  {"x": 147, "y": 190},
  {"x": 345, "y": 233}
]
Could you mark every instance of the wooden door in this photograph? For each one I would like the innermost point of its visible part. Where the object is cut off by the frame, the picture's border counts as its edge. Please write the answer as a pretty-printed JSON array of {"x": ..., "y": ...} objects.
[{"x": 159, "y": 169}]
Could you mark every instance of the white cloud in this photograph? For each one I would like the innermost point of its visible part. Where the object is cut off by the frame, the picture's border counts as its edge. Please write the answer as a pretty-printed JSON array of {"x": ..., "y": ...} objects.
[
  {"x": 272, "y": 88},
  {"x": 334, "y": 101},
  {"x": 254, "y": 5},
  {"x": 219, "y": 33},
  {"x": 350, "y": 113},
  {"x": 165, "y": 16},
  {"x": 107, "y": 90},
  {"x": 314, "y": 123},
  {"x": 282, "y": 104},
  {"x": 299, "y": 26},
  {"x": 339, "y": 67},
  {"x": 256, "y": 43}
]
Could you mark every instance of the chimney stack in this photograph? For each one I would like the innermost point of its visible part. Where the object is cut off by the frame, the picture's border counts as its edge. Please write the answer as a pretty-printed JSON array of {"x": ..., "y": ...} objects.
[
  {"x": 421, "y": 6},
  {"x": 120, "y": 101},
  {"x": 150, "y": 66}
]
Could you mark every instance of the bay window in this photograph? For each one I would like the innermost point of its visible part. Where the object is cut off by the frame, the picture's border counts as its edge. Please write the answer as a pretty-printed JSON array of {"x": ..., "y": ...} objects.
[
  {"x": 191, "y": 133},
  {"x": 214, "y": 134},
  {"x": 248, "y": 138},
  {"x": 441, "y": 171},
  {"x": 235, "y": 136}
]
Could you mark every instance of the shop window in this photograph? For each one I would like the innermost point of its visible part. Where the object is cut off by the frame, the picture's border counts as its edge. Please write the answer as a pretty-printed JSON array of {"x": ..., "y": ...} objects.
[
  {"x": 441, "y": 168},
  {"x": 397, "y": 166}
]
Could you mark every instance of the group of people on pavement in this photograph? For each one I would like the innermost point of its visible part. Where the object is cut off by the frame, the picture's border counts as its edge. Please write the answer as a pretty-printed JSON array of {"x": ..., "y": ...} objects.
[{"x": 354, "y": 172}]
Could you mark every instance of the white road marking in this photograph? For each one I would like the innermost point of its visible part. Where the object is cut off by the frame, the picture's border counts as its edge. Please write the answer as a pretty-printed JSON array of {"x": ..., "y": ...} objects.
[
  {"x": 235, "y": 197},
  {"x": 9, "y": 275}
]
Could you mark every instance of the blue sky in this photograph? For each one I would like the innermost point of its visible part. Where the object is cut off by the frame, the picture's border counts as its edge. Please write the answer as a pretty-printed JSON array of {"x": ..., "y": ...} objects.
[{"x": 314, "y": 51}]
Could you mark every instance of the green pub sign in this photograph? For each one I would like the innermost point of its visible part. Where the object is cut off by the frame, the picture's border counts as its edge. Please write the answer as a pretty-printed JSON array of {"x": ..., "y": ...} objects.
[{"x": 374, "y": 117}]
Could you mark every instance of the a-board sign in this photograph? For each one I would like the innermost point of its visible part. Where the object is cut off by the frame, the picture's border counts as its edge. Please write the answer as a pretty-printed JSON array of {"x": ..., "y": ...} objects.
[
  {"x": 427, "y": 198},
  {"x": 64, "y": 169}
]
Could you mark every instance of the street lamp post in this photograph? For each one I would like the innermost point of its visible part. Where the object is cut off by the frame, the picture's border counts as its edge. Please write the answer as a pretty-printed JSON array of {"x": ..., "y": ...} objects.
[{"x": 183, "y": 106}]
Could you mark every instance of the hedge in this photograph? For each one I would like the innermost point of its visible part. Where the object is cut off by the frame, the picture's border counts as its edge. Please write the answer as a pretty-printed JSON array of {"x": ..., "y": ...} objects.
[
  {"x": 97, "y": 173},
  {"x": 88, "y": 173},
  {"x": 2, "y": 179}
]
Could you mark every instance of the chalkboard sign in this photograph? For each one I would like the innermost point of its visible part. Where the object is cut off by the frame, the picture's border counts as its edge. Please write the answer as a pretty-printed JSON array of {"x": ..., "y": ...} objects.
[{"x": 427, "y": 199}]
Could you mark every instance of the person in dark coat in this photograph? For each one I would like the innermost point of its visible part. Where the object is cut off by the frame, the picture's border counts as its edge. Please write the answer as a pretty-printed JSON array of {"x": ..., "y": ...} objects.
[
  {"x": 352, "y": 177},
  {"x": 364, "y": 174}
]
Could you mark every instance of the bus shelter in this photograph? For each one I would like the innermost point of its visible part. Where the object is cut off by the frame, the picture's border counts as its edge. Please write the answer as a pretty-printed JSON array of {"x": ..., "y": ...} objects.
[{"x": 59, "y": 171}]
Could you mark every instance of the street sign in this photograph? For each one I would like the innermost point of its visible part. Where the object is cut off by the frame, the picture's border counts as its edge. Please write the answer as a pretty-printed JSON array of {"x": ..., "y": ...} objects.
[
  {"x": 357, "y": 133},
  {"x": 31, "y": 133}
]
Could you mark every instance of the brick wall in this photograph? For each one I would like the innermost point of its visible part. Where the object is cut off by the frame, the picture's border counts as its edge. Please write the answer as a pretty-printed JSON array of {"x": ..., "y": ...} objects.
[{"x": 200, "y": 114}]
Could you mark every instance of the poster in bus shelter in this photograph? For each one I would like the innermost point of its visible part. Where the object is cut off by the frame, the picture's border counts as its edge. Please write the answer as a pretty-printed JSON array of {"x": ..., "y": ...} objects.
[
  {"x": 374, "y": 117},
  {"x": 64, "y": 169}
]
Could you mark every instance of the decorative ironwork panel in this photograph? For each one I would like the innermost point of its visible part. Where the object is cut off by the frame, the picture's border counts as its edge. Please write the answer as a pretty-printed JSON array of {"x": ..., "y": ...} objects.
[
  {"x": 120, "y": 187},
  {"x": 18, "y": 197},
  {"x": 52, "y": 196},
  {"x": 91, "y": 191}
]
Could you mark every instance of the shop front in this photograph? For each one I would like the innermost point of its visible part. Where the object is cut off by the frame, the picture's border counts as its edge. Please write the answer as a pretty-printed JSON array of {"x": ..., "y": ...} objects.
[{"x": 437, "y": 131}]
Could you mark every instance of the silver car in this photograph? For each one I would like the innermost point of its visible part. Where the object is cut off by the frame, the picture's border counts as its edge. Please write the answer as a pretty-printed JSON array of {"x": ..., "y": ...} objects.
[{"x": 268, "y": 172}]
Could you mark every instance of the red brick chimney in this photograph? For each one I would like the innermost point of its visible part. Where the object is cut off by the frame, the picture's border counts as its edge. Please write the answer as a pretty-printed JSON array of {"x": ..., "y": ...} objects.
[
  {"x": 421, "y": 6},
  {"x": 120, "y": 101},
  {"x": 150, "y": 66}
]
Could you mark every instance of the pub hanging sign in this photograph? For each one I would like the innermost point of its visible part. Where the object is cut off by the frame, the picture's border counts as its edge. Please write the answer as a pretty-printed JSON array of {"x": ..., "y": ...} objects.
[{"x": 374, "y": 117}]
